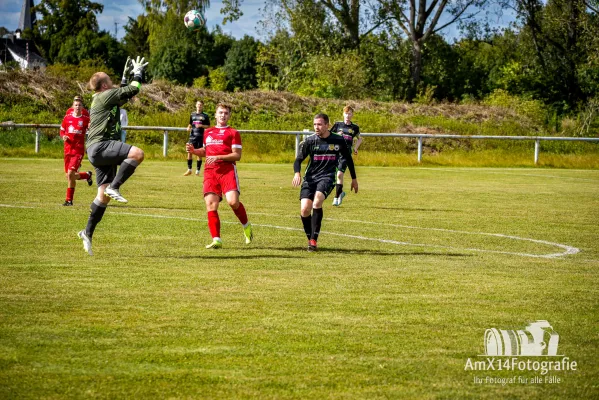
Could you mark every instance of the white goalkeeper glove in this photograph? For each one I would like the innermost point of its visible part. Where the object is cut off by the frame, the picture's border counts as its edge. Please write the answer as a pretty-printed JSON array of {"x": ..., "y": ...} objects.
[
  {"x": 125, "y": 72},
  {"x": 138, "y": 67}
]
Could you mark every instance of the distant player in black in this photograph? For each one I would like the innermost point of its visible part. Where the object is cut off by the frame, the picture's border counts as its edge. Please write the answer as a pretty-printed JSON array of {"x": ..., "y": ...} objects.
[
  {"x": 349, "y": 131},
  {"x": 198, "y": 120},
  {"x": 324, "y": 150}
]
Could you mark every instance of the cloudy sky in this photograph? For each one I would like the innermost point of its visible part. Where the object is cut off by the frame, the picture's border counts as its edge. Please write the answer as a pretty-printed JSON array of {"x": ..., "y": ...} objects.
[{"x": 118, "y": 11}]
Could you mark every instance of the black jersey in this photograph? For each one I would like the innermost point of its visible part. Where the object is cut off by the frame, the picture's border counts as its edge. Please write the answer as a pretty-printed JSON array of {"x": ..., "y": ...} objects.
[
  {"x": 324, "y": 154},
  {"x": 349, "y": 132},
  {"x": 195, "y": 120}
]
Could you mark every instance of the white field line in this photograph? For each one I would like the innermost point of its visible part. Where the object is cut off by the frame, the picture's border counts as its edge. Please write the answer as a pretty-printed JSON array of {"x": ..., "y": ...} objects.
[
  {"x": 568, "y": 250},
  {"x": 14, "y": 206}
]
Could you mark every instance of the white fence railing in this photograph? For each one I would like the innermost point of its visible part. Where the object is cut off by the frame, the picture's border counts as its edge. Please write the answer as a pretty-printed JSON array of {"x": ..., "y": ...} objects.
[{"x": 299, "y": 134}]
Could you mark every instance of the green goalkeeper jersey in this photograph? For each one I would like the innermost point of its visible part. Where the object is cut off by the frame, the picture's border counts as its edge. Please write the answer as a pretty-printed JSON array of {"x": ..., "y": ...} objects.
[{"x": 105, "y": 114}]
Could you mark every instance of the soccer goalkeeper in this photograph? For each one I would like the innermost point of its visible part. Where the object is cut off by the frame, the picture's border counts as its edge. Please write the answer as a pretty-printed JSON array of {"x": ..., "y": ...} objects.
[{"x": 105, "y": 151}]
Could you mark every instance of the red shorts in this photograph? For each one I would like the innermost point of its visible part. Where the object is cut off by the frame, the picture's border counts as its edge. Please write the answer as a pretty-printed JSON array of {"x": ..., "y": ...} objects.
[
  {"x": 220, "y": 181},
  {"x": 72, "y": 162}
]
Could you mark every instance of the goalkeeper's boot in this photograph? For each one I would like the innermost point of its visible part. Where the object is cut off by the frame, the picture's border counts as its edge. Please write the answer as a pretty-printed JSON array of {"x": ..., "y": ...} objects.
[
  {"x": 187, "y": 173},
  {"x": 115, "y": 195},
  {"x": 89, "y": 178},
  {"x": 341, "y": 196},
  {"x": 312, "y": 245},
  {"x": 87, "y": 242},
  {"x": 247, "y": 232},
  {"x": 336, "y": 201},
  {"x": 67, "y": 203},
  {"x": 217, "y": 243}
]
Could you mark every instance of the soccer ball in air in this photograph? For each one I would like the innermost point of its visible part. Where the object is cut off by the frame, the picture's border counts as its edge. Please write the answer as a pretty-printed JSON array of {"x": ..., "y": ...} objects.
[{"x": 194, "y": 20}]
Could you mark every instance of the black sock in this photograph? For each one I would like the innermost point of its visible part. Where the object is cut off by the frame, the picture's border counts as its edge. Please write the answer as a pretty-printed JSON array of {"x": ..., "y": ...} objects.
[
  {"x": 198, "y": 165},
  {"x": 339, "y": 190},
  {"x": 189, "y": 162},
  {"x": 316, "y": 222},
  {"x": 126, "y": 169},
  {"x": 307, "y": 222},
  {"x": 97, "y": 209}
]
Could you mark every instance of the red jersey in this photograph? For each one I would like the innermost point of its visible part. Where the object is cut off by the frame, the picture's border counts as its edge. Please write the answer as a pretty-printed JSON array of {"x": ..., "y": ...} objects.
[
  {"x": 220, "y": 142},
  {"x": 74, "y": 128}
]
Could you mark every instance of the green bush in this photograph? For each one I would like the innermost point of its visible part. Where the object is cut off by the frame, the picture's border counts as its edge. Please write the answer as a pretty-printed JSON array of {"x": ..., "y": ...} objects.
[
  {"x": 81, "y": 72},
  {"x": 218, "y": 79},
  {"x": 533, "y": 109},
  {"x": 201, "y": 82}
]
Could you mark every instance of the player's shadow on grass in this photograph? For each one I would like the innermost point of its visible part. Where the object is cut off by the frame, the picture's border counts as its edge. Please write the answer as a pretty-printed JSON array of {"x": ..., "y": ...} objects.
[
  {"x": 332, "y": 250},
  {"x": 214, "y": 256}
]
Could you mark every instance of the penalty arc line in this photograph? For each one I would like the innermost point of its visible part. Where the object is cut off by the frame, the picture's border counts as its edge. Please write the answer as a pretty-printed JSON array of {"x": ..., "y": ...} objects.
[{"x": 569, "y": 249}]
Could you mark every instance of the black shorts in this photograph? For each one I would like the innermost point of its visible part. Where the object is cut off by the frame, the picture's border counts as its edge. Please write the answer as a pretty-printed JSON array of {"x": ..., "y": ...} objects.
[
  {"x": 341, "y": 164},
  {"x": 106, "y": 157},
  {"x": 309, "y": 189},
  {"x": 197, "y": 141}
]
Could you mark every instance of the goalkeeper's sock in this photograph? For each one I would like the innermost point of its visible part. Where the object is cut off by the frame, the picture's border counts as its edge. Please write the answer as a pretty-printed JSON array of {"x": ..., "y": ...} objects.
[
  {"x": 338, "y": 190},
  {"x": 126, "y": 169},
  {"x": 198, "y": 165},
  {"x": 83, "y": 175},
  {"x": 214, "y": 224},
  {"x": 241, "y": 214},
  {"x": 316, "y": 222},
  {"x": 70, "y": 194},
  {"x": 307, "y": 222},
  {"x": 189, "y": 162},
  {"x": 97, "y": 210}
]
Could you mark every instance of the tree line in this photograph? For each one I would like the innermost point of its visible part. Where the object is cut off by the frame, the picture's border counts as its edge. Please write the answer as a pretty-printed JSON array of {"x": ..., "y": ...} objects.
[{"x": 351, "y": 49}]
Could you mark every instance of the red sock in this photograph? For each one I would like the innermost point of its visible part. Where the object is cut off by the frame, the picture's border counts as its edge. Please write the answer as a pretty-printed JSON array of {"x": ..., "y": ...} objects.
[
  {"x": 83, "y": 175},
  {"x": 70, "y": 193},
  {"x": 241, "y": 214},
  {"x": 214, "y": 223}
]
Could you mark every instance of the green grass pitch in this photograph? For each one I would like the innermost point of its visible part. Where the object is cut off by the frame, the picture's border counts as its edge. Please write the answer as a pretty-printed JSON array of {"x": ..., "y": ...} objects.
[{"x": 410, "y": 273}]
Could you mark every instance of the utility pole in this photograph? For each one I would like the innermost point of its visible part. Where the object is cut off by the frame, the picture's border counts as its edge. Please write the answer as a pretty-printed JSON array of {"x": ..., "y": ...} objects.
[{"x": 115, "y": 28}]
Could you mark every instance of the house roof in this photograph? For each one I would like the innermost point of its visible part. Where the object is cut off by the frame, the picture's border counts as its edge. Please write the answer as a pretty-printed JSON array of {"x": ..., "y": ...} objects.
[{"x": 18, "y": 47}]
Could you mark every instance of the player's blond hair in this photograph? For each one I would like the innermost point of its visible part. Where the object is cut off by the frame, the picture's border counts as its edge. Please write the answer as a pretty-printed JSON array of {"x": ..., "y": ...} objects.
[
  {"x": 96, "y": 81},
  {"x": 347, "y": 109},
  {"x": 223, "y": 105}
]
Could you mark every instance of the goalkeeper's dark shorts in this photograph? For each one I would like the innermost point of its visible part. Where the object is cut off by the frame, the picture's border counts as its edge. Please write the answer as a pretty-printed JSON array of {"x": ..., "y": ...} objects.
[
  {"x": 106, "y": 157},
  {"x": 323, "y": 185}
]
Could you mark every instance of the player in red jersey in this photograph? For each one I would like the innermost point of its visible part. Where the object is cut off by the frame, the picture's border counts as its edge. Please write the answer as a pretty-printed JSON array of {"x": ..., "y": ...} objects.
[
  {"x": 72, "y": 132},
  {"x": 222, "y": 148}
]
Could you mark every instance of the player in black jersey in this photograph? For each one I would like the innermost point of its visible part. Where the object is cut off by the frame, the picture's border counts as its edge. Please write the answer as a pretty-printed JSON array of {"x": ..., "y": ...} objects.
[
  {"x": 324, "y": 150},
  {"x": 349, "y": 131},
  {"x": 198, "y": 120}
]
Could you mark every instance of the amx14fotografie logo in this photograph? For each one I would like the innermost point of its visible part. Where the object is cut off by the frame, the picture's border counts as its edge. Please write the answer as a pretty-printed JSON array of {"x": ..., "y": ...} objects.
[{"x": 520, "y": 351}]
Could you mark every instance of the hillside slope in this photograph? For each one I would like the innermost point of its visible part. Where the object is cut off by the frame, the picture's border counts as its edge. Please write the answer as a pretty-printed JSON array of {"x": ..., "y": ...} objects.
[{"x": 42, "y": 97}]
